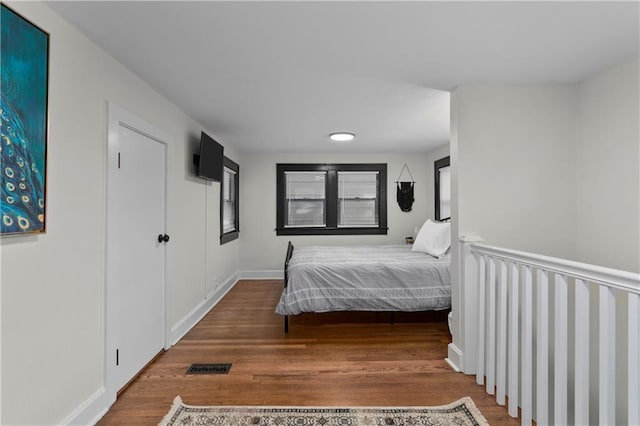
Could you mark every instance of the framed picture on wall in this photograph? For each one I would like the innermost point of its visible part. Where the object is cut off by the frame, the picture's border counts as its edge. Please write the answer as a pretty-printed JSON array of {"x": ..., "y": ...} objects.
[{"x": 24, "y": 67}]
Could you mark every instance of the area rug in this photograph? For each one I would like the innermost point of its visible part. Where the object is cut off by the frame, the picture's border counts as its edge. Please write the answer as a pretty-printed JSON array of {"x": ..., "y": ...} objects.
[{"x": 462, "y": 412}]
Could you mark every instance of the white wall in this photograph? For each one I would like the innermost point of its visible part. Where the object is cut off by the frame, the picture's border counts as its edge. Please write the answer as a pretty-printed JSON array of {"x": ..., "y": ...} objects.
[
  {"x": 608, "y": 169},
  {"x": 608, "y": 189},
  {"x": 262, "y": 250},
  {"x": 53, "y": 284},
  {"x": 515, "y": 166},
  {"x": 513, "y": 173},
  {"x": 553, "y": 169}
]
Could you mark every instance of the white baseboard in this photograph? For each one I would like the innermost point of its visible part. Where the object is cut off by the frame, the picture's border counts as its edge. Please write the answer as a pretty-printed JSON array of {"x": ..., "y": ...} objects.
[
  {"x": 455, "y": 358},
  {"x": 192, "y": 318},
  {"x": 97, "y": 405},
  {"x": 276, "y": 274},
  {"x": 90, "y": 411}
]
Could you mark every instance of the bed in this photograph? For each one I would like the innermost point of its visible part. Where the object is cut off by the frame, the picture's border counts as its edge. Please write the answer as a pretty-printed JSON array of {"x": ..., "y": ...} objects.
[{"x": 363, "y": 278}]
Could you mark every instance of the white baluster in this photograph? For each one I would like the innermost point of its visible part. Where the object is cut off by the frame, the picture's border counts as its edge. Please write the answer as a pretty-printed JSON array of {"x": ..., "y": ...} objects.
[
  {"x": 607, "y": 351},
  {"x": 502, "y": 334},
  {"x": 542, "y": 346},
  {"x": 633, "y": 407},
  {"x": 527, "y": 346},
  {"x": 581, "y": 372},
  {"x": 491, "y": 334},
  {"x": 505, "y": 332},
  {"x": 482, "y": 298},
  {"x": 561, "y": 336},
  {"x": 514, "y": 309}
]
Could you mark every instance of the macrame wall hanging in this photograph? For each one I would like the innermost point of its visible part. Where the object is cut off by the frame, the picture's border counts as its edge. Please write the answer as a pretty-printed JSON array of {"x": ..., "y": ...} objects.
[{"x": 404, "y": 191}]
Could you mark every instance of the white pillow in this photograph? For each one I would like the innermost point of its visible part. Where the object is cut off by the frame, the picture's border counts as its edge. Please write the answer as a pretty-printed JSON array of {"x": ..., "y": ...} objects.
[{"x": 433, "y": 238}]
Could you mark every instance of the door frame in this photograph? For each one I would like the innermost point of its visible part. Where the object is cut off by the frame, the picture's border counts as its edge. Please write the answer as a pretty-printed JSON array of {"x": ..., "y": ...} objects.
[{"x": 119, "y": 117}]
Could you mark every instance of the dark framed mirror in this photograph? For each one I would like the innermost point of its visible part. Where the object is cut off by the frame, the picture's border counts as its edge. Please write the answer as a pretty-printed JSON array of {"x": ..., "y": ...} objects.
[{"x": 442, "y": 171}]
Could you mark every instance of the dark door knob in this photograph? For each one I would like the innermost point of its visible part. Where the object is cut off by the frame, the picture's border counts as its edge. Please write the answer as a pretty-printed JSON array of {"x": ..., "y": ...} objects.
[{"x": 163, "y": 238}]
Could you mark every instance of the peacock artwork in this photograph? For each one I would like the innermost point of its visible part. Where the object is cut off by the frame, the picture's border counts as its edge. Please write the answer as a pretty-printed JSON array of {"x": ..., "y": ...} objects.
[{"x": 24, "y": 68}]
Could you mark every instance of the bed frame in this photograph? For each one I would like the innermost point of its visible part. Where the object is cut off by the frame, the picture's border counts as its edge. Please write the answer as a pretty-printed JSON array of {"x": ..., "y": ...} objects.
[
  {"x": 286, "y": 280},
  {"x": 437, "y": 315}
]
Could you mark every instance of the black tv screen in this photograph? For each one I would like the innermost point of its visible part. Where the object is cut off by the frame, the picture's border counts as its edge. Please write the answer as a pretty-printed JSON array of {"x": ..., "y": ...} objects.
[{"x": 209, "y": 163}]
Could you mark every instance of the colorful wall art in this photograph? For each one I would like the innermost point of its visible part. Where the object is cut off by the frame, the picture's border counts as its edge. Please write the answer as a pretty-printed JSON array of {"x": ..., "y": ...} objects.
[{"x": 24, "y": 67}]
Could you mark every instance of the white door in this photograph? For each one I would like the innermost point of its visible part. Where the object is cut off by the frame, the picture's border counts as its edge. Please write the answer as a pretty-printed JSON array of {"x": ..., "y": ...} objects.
[{"x": 136, "y": 212}]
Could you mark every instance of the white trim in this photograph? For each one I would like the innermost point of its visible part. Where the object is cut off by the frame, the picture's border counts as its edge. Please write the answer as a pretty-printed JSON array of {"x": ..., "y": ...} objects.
[
  {"x": 90, "y": 411},
  {"x": 633, "y": 382},
  {"x": 465, "y": 314},
  {"x": 277, "y": 274},
  {"x": 470, "y": 238},
  {"x": 118, "y": 117},
  {"x": 455, "y": 358},
  {"x": 612, "y": 278},
  {"x": 192, "y": 318},
  {"x": 97, "y": 405},
  {"x": 535, "y": 280}
]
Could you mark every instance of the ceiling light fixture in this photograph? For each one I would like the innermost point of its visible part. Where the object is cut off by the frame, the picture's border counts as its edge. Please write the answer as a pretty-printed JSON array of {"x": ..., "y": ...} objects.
[{"x": 342, "y": 136}]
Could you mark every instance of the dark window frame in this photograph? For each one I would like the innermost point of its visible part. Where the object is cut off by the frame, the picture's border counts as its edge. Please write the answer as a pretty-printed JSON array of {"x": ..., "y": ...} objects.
[
  {"x": 331, "y": 199},
  {"x": 225, "y": 237},
  {"x": 437, "y": 165}
]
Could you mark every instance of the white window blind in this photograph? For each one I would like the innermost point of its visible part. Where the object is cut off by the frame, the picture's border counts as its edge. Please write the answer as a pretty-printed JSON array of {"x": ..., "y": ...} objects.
[
  {"x": 229, "y": 199},
  {"x": 305, "y": 199},
  {"x": 357, "y": 199}
]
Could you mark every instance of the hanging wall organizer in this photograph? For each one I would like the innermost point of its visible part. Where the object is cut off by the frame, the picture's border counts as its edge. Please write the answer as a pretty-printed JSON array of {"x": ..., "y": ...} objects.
[{"x": 404, "y": 190}]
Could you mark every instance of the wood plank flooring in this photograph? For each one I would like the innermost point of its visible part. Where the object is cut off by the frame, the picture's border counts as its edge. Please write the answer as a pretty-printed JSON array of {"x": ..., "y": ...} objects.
[{"x": 326, "y": 360}]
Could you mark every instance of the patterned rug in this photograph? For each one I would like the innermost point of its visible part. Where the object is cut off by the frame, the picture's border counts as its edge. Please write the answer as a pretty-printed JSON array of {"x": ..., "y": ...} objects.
[{"x": 462, "y": 412}]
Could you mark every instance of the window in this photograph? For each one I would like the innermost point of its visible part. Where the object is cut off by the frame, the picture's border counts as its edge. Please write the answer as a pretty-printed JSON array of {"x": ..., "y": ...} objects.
[
  {"x": 305, "y": 199},
  {"x": 316, "y": 199},
  {"x": 358, "y": 199},
  {"x": 229, "y": 206},
  {"x": 442, "y": 170}
]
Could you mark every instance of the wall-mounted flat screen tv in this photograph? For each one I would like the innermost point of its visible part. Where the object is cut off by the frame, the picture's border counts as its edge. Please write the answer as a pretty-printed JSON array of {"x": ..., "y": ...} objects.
[{"x": 209, "y": 162}]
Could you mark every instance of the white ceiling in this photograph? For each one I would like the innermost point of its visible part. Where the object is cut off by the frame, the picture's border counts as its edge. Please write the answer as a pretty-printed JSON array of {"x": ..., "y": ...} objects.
[{"x": 280, "y": 76}]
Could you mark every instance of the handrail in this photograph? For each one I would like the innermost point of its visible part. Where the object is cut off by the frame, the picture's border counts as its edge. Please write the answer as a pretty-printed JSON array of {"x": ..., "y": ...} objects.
[
  {"x": 613, "y": 278},
  {"x": 505, "y": 333}
]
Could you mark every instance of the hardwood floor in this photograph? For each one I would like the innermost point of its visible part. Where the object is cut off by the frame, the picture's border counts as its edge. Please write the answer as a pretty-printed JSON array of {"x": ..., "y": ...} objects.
[{"x": 324, "y": 361}]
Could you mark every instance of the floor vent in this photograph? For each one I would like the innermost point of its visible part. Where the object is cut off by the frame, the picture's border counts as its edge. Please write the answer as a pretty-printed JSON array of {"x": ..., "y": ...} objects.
[{"x": 209, "y": 369}]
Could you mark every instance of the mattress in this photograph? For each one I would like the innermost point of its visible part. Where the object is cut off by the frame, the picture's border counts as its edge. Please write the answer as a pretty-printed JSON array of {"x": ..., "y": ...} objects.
[{"x": 365, "y": 278}]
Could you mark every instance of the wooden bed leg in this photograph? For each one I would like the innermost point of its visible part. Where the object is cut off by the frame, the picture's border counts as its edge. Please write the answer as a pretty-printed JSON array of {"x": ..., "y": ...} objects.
[{"x": 286, "y": 323}]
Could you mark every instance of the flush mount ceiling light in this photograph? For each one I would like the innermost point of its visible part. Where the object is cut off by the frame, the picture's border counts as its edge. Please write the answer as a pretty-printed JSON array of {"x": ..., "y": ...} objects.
[{"x": 342, "y": 136}]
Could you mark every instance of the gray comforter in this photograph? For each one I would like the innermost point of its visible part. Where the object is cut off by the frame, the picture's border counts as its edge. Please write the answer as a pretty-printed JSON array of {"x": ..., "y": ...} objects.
[{"x": 365, "y": 278}]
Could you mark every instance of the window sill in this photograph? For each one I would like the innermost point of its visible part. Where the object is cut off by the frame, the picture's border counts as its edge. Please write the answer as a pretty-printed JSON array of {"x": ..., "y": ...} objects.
[
  {"x": 229, "y": 236},
  {"x": 331, "y": 231}
]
